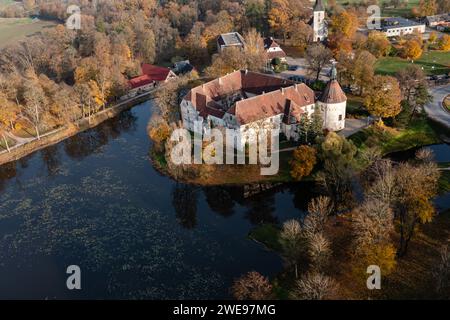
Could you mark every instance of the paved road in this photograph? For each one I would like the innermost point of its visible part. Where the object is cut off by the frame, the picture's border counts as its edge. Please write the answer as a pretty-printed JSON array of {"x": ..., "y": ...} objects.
[
  {"x": 353, "y": 126},
  {"x": 435, "y": 109}
]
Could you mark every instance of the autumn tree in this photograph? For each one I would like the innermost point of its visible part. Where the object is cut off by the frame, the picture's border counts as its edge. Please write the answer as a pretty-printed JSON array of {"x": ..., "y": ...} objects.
[
  {"x": 300, "y": 34},
  {"x": 427, "y": 7},
  {"x": 35, "y": 103},
  {"x": 317, "y": 57},
  {"x": 444, "y": 42},
  {"x": 303, "y": 162},
  {"x": 252, "y": 286},
  {"x": 409, "y": 79},
  {"x": 383, "y": 97},
  {"x": 373, "y": 226},
  {"x": 338, "y": 156},
  {"x": 412, "y": 50},
  {"x": 378, "y": 44},
  {"x": 417, "y": 186}
]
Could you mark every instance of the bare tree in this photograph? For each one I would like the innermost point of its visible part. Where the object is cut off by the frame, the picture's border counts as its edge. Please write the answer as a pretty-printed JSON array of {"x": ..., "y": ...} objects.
[
  {"x": 291, "y": 242},
  {"x": 441, "y": 273},
  {"x": 373, "y": 223},
  {"x": 252, "y": 286},
  {"x": 319, "y": 251},
  {"x": 317, "y": 57},
  {"x": 318, "y": 211},
  {"x": 314, "y": 286}
]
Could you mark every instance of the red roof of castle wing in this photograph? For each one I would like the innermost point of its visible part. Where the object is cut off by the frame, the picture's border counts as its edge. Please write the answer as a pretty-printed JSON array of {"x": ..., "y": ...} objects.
[
  {"x": 140, "y": 81},
  {"x": 155, "y": 73}
]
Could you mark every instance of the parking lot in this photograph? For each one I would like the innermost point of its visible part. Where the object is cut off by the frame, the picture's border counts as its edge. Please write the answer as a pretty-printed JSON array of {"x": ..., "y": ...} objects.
[{"x": 302, "y": 70}]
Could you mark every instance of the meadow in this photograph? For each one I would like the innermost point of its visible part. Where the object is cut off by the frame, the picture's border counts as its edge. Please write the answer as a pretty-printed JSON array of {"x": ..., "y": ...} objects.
[{"x": 13, "y": 29}]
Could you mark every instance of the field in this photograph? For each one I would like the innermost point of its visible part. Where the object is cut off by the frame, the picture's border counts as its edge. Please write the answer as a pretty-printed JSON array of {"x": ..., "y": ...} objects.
[
  {"x": 13, "y": 29},
  {"x": 432, "y": 62},
  {"x": 4, "y": 3},
  {"x": 388, "y": 12}
]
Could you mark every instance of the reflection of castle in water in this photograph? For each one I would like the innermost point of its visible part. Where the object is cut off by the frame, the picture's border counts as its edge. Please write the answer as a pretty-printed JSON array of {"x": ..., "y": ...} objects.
[{"x": 259, "y": 207}]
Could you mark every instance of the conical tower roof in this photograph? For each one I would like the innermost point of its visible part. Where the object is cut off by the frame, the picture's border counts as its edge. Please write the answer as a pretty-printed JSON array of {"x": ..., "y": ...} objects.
[{"x": 333, "y": 92}]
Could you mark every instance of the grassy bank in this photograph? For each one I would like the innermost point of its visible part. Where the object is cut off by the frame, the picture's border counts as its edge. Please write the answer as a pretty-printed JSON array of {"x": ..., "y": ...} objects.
[
  {"x": 418, "y": 133},
  {"x": 411, "y": 279}
]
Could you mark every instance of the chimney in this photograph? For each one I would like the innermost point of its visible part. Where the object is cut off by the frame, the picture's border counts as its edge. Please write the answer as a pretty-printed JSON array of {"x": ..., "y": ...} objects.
[
  {"x": 246, "y": 71},
  {"x": 282, "y": 91},
  {"x": 220, "y": 81},
  {"x": 296, "y": 86}
]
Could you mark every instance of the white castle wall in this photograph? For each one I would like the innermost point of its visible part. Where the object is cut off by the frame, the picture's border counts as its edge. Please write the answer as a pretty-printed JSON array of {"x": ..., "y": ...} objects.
[{"x": 334, "y": 115}]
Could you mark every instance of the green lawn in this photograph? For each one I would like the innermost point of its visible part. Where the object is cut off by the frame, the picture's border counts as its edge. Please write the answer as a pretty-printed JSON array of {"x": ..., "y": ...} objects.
[
  {"x": 419, "y": 133},
  {"x": 5, "y": 3},
  {"x": 406, "y": 11},
  {"x": 433, "y": 62},
  {"x": 14, "y": 29}
]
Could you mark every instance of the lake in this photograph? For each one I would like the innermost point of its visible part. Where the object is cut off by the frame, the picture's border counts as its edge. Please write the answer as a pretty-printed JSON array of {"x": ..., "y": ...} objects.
[{"x": 95, "y": 201}]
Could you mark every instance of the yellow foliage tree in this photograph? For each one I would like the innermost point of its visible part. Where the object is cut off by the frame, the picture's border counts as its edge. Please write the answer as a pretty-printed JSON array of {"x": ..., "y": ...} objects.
[
  {"x": 383, "y": 97},
  {"x": 411, "y": 50},
  {"x": 303, "y": 162},
  {"x": 444, "y": 42}
]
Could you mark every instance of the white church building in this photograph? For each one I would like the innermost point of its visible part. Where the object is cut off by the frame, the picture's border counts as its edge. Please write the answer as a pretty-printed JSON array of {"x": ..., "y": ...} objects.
[
  {"x": 245, "y": 100},
  {"x": 319, "y": 23}
]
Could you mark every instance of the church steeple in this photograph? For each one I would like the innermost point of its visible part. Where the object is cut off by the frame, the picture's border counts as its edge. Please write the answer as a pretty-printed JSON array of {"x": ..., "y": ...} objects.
[{"x": 319, "y": 6}]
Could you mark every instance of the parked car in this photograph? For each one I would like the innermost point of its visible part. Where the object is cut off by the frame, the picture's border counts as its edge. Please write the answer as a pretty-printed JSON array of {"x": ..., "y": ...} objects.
[
  {"x": 297, "y": 79},
  {"x": 293, "y": 68}
]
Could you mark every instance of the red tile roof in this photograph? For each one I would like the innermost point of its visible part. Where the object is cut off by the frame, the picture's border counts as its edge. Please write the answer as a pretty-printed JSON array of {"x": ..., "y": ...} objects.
[
  {"x": 140, "y": 81},
  {"x": 333, "y": 93},
  {"x": 271, "y": 96},
  {"x": 155, "y": 73}
]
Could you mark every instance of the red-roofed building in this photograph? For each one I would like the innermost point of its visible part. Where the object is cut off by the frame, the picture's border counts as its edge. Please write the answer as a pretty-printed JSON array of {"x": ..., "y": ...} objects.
[
  {"x": 151, "y": 76},
  {"x": 247, "y": 100},
  {"x": 274, "y": 50}
]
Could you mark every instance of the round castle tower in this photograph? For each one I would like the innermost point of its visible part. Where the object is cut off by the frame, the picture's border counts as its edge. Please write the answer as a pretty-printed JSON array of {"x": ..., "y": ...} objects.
[{"x": 333, "y": 103}]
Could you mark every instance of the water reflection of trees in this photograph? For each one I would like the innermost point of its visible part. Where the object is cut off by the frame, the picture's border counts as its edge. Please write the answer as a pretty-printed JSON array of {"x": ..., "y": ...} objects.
[
  {"x": 7, "y": 172},
  {"x": 219, "y": 200},
  {"x": 184, "y": 201},
  {"x": 90, "y": 141},
  {"x": 261, "y": 208},
  {"x": 51, "y": 157}
]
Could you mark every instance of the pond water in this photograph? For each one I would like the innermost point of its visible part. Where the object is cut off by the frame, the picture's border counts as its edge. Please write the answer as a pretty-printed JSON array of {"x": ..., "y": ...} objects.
[{"x": 95, "y": 201}]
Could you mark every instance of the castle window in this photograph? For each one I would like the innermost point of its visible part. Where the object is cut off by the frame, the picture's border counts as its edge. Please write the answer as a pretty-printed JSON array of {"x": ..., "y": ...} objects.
[{"x": 340, "y": 117}]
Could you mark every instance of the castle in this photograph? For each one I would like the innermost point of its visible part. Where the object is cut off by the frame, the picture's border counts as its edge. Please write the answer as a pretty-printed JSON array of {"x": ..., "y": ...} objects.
[{"x": 245, "y": 100}]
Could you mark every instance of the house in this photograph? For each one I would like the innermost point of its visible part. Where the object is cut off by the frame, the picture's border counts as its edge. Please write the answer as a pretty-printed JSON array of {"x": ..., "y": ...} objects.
[
  {"x": 150, "y": 77},
  {"x": 245, "y": 100},
  {"x": 437, "y": 20},
  {"x": 274, "y": 50},
  {"x": 393, "y": 27},
  {"x": 228, "y": 40},
  {"x": 183, "y": 67}
]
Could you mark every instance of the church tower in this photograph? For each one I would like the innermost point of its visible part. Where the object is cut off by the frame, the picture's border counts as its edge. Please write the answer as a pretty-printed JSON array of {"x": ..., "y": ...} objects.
[{"x": 319, "y": 26}]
